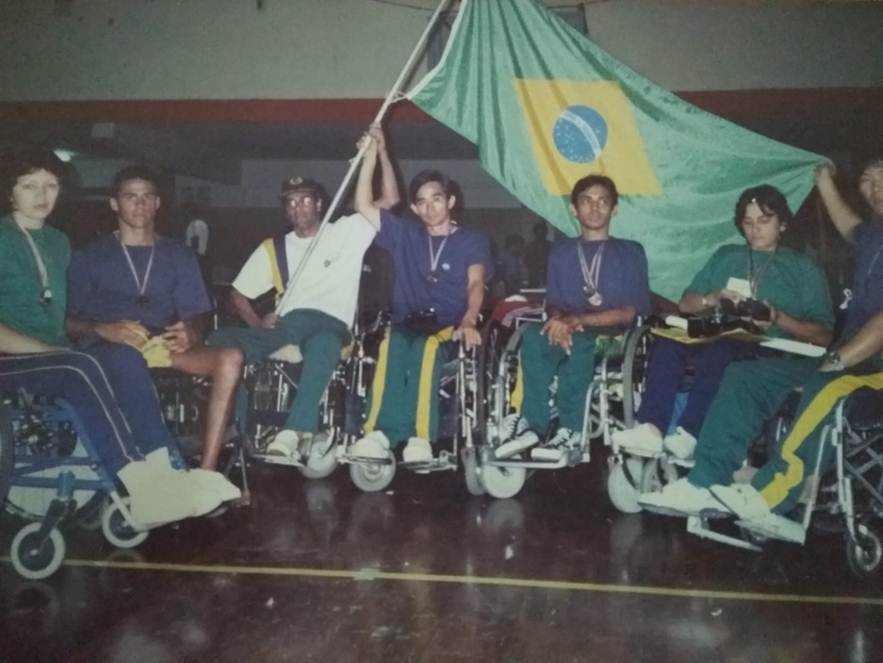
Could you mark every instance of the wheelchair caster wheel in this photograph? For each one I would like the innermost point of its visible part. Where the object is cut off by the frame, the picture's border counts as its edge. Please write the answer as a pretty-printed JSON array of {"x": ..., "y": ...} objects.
[
  {"x": 372, "y": 477},
  {"x": 503, "y": 482},
  {"x": 471, "y": 471},
  {"x": 623, "y": 488},
  {"x": 865, "y": 553},
  {"x": 321, "y": 461},
  {"x": 34, "y": 560},
  {"x": 117, "y": 530}
]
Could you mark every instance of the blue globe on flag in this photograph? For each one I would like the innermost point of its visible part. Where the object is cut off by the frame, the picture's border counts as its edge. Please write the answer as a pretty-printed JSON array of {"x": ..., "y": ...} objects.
[{"x": 580, "y": 134}]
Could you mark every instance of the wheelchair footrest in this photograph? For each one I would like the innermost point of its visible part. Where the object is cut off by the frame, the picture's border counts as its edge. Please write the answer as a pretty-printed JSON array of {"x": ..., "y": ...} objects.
[
  {"x": 434, "y": 465},
  {"x": 276, "y": 459},
  {"x": 529, "y": 464},
  {"x": 365, "y": 460},
  {"x": 700, "y": 527},
  {"x": 782, "y": 529}
]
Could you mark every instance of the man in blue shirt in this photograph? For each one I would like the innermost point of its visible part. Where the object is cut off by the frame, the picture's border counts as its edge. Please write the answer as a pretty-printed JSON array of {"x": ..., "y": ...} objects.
[
  {"x": 440, "y": 272},
  {"x": 139, "y": 288},
  {"x": 594, "y": 282}
]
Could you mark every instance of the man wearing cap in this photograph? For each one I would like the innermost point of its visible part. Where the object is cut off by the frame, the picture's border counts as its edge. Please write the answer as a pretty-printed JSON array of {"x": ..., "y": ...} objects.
[
  {"x": 137, "y": 287},
  {"x": 317, "y": 314}
]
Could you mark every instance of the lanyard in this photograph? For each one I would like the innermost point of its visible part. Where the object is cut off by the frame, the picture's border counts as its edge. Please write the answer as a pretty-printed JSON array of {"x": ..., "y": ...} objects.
[
  {"x": 754, "y": 280},
  {"x": 873, "y": 262},
  {"x": 45, "y": 290},
  {"x": 591, "y": 273},
  {"x": 139, "y": 284},
  {"x": 435, "y": 256}
]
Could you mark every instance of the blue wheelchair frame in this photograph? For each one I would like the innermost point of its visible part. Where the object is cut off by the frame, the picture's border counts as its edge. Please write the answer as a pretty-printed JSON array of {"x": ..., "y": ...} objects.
[{"x": 39, "y": 432}]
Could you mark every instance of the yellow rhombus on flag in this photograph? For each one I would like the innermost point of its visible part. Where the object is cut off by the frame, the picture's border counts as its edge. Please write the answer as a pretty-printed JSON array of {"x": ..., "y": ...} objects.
[{"x": 579, "y": 128}]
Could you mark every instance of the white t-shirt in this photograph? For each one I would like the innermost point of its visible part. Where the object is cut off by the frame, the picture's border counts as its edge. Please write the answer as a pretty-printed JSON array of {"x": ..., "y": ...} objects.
[{"x": 330, "y": 281}]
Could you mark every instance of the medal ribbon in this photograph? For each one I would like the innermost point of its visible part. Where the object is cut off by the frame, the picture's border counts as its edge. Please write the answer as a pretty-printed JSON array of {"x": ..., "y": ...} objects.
[
  {"x": 591, "y": 272},
  {"x": 435, "y": 256},
  {"x": 754, "y": 280},
  {"x": 45, "y": 290},
  {"x": 140, "y": 285}
]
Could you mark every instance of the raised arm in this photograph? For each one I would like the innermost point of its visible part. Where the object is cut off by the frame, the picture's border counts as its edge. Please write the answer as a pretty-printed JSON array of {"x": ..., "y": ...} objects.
[
  {"x": 389, "y": 187},
  {"x": 365, "y": 203},
  {"x": 844, "y": 218}
]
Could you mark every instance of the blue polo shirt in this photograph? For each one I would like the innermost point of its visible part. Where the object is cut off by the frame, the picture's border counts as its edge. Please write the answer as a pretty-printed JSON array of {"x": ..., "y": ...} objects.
[
  {"x": 867, "y": 282},
  {"x": 101, "y": 287},
  {"x": 413, "y": 290},
  {"x": 622, "y": 279}
]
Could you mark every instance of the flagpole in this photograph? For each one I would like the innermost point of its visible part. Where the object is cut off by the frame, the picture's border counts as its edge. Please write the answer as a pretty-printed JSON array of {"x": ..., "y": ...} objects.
[{"x": 391, "y": 98}]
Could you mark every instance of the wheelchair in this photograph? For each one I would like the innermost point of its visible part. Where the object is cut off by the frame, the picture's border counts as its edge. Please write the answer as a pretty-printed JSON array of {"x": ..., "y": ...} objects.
[
  {"x": 54, "y": 477},
  {"x": 645, "y": 472},
  {"x": 458, "y": 417},
  {"x": 846, "y": 500},
  {"x": 610, "y": 404},
  {"x": 266, "y": 395},
  {"x": 183, "y": 401}
]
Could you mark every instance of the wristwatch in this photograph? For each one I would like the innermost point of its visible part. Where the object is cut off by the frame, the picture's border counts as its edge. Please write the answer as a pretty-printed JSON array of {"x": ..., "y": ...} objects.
[{"x": 831, "y": 362}]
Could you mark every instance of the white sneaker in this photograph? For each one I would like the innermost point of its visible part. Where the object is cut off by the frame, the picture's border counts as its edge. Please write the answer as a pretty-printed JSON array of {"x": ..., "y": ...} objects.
[
  {"x": 555, "y": 448},
  {"x": 217, "y": 483},
  {"x": 417, "y": 450},
  {"x": 512, "y": 425},
  {"x": 680, "y": 443},
  {"x": 516, "y": 445},
  {"x": 286, "y": 444},
  {"x": 643, "y": 437},
  {"x": 374, "y": 445},
  {"x": 680, "y": 498},
  {"x": 743, "y": 500},
  {"x": 775, "y": 526}
]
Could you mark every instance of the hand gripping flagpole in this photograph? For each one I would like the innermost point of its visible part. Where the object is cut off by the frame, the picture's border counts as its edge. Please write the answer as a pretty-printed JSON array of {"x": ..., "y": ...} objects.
[{"x": 393, "y": 96}]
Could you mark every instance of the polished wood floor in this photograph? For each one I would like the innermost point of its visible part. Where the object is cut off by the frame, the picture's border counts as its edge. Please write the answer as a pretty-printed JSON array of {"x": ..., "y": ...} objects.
[{"x": 317, "y": 571}]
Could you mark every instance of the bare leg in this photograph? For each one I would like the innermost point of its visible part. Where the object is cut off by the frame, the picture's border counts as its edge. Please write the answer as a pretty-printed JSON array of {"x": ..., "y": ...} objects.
[{"x": 224, "y": 365}]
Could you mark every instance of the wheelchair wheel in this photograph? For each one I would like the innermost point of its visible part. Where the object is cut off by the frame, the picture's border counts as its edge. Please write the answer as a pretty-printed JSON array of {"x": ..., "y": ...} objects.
[
  {"x": 624, "y": 484},
  {"x": 471, "y": 472},
  {"x": 372, "y": 477},
  {"x": 7, "y": 448},
  {"x": 634, "y": 372},
  {"x": 33, "y": 560},
  {"x": 117, "y": 530},
  {"x": 322, "y": 460},
  {"x": 503, "y": 482},
  {"x": 653, "y": 478},
  {"x": 865, "y": 553}
]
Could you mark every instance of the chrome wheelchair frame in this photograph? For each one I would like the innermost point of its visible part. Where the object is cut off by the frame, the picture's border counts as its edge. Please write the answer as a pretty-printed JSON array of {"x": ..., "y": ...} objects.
[
  {"x": 458, "y": 389},
  {"x": 851, "y": 493},
  {"x": 609, "y": 405}
]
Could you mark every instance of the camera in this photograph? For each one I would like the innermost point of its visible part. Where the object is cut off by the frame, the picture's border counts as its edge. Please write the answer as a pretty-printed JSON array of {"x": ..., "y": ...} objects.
[
  {"x": 747, "y": 308},
  {"x": 424, "y": 322}
]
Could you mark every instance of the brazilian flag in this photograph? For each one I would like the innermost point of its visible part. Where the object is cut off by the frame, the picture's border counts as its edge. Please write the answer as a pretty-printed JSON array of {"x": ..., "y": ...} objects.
[{"x": 546, "y": 106}]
